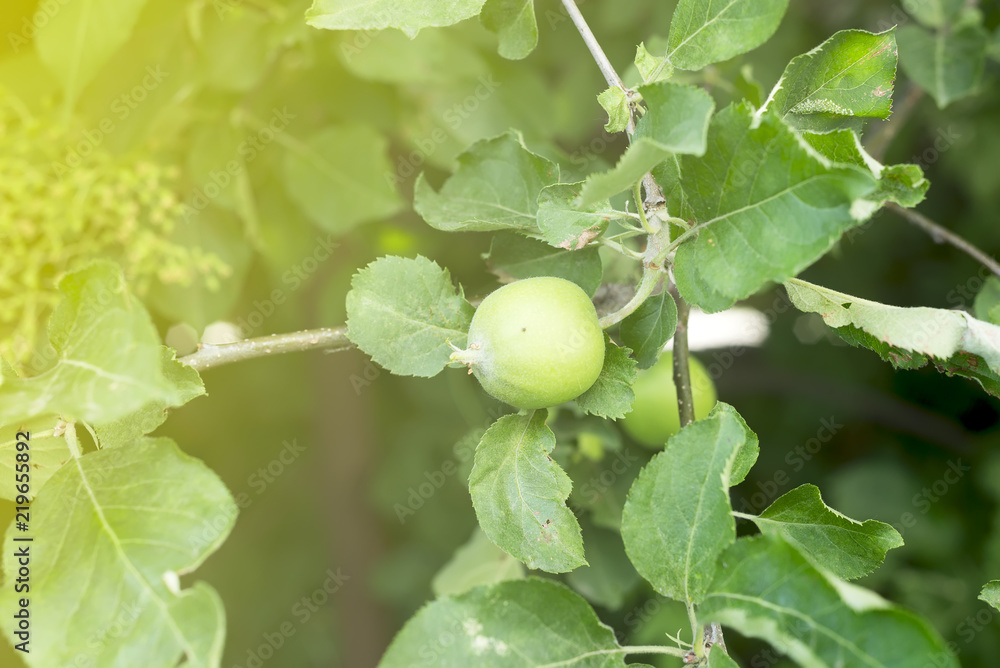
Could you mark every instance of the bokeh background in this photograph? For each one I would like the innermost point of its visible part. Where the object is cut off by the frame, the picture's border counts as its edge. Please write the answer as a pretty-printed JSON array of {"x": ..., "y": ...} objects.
[{"x": 327, "y": 448}]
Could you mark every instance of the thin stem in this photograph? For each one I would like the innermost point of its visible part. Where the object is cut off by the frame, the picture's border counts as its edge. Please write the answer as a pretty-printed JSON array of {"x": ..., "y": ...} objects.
[
  {"x": 745, "y": 516},
  {"x": 650, "y": 277},
  {"x": 693, "y": 619},
  {"x": 210, "y": 356},
  {"x": 682, "y": 367},
  {"x": 630, "y": 649},
  {"x": 641, "y": 206},
  {"x": 607, "y": 69},
  {"x": 943, "y": 235},
  {"x": 71, "y": 440}
]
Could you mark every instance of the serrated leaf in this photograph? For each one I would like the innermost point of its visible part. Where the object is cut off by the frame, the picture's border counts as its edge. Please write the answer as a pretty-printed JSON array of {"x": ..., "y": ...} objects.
[
  {"x": 935, "y": 13},
  {"x": 611, "y": 394},
  {"x": 340, "y": 177},
  {"x": 947, "y": 64},
  {"x": 676, "y": 122},
  {"x": 513, "y": 257},
  {"x": 77, "y": 39},
  {"x": 514, "y": 23},
  {"x": 649, "y": 328},
  {"x": 903, "y": 184},
  {"x": 777, "y": 209},
  {"x": 152, "y": 415},
  {"x": 765, "y": 589},
  {"x": 108, "y": 356},
  {"x": 749, "y": 450},
  {"x": 719, "y": 659},
  {"x": 402, "y": 312},
  {"x": 517, "y": 624},
  {"x": 615, "y": 102},
  {"x": 954, "y": 341},
  {"x": 677, "y": 519},
  {"x": 520, "y": 494},
  {"x": 46, "y": 453},
  {"x": 477, "y": 562},
  {"x": 987, "y": 303},
  {"x": 991, "y": 593},
  {"x": 411, "y": 18},
  {"x": 496, "y": 187},
  {"x": 652, "y": 68},
  {"x": 565, "y": 223},
  {"x": 703, "y": 32},
  {"x": 846, "y": 548},
  {"x": 130, "y": 518},
  {"x": 849, "y": 75}
]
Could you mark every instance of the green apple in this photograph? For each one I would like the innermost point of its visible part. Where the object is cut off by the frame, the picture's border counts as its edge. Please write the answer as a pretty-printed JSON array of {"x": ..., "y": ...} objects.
[{"x": 654, "y": 417}]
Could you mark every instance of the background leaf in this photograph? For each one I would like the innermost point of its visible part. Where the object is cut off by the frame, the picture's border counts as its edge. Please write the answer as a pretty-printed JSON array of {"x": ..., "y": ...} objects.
[
  {"x": 703, "y": 32},
  {"x": 947, "y": 64},
  {"x": 403, "y": 312},
  {"x": 477, "y": 562},
  {"x": 520, "y": 494},
  {"x": 379, "y": 14},
  {"x": 514, "y": 23},
  {"x": 677, "y": 517},
  {"x": 765, "y": 589},
  {"x": 131, "y": 516},
  {"x": 496, "y": 187},
  {"x": 340, "y": 177},
  {"x": 47, "y": 452},
  {"x": 567, "y": 224},
  {"x": 519, "y": 624},
  {"x": 846, "y": 548}
]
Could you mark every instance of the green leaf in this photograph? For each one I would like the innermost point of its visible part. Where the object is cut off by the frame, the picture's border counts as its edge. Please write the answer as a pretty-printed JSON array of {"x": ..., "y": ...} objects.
[
  {"x": 987, "y": 303},
  {"x": 46, "y": 451},
  {"x": 434, "y": 58},
  {"x": 947, "y": 64},
  {"x": 677, "y": 519},
  {"x": 518, "y": 624},
  {"x": 609, "y": 578},
  {"x": 108, "y": 356},
  {"x": 776, "y": 209},
  {"x": 152, "y": 415},
  {"x": 513, "y": 257},
  {"x": 991, "y": 593},
  {"x": 496, "y": 187},
  {"x": 935, "y": 13},
  {"x": 520, "y": 494},
  {"x": 954, "y": 341},
  {"x": 111, "y": 530},
  {"x": 478, "y": 562},
  {"x": 77, "y": 39},
  {"x": 765, "y": 589},
  {"x": 849, "y": 75},
  {"x": 676, "y": 121},
  {"x": 703, "y": 32},
  {"x": 746, "y": 455},
  {"x": 340, "y": 177},
  {"x": 615, "y": 102},
  {"x": 846, "y": 548},
  {"x": 611, "y": 394},
  {"x": 514, "y": 23},
  {"x": 409, "y": 17},
  {"x": 649, "y": 328},
  {"x": 403, "y": 312},
  {"x": 565, "y": 223},
  {"x": 719, "y": 659},
  {"x": 903, "y": 184},
  {"x": 652, "y": 68}
]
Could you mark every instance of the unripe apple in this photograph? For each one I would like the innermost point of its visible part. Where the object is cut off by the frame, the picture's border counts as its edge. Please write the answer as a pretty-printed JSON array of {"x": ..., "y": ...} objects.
[{"x": 654, "y": 416}]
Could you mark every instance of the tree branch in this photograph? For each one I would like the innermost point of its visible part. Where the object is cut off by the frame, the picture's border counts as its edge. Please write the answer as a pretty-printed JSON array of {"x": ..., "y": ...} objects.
[
  {"x": 607, "y": 69},
  {"x": 682, "y": 362},
  {"x": 209, "y": 356},
  {"x": 943, "y": 235}
]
